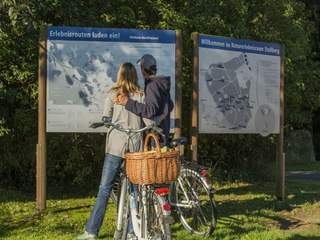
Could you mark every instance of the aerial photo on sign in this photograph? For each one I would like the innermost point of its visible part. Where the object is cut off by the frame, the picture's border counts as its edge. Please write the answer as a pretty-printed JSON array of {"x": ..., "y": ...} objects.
[
  {"x": 82, "y": 65},
  {"x": 239, "y": 86}
]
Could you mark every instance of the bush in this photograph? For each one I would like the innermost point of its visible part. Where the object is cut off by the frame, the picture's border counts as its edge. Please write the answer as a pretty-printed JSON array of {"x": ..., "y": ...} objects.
[{"x": 75, "y": 159}]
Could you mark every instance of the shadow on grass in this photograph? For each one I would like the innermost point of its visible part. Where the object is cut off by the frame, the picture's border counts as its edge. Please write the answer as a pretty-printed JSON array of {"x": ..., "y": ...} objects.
[
  {"x": 65, "y": 228},
  {"x": 299, "y": 237},
  {"x": 9, "y": 223},
  {"x": 105, "y": 236},
  {"x": 260, "y": 211},
  {"x": 256, "y": 188},
  {"x": 301, "y": 191},
  {"x": 60, "y": 210}
]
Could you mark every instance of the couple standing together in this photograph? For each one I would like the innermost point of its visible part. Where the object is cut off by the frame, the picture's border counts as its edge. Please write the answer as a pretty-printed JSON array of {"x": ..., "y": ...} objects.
[{"x": 129, "y": 106}]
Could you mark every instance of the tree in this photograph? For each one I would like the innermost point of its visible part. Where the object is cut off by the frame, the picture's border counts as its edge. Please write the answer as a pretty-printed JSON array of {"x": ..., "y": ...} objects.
[{"x": 288, "y": 22}]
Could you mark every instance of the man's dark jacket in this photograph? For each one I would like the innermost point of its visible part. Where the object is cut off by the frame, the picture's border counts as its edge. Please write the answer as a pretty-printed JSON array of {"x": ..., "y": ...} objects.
[{"x": 157, "y": 102}]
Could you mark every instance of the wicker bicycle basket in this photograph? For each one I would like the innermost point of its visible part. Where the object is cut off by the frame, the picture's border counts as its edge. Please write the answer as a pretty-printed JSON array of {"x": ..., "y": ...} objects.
[{"x": 150, "y": 167}]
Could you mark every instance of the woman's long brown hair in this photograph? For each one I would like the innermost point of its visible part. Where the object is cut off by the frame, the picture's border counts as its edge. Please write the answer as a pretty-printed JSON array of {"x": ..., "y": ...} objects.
[{"x": 127, "y": 80}]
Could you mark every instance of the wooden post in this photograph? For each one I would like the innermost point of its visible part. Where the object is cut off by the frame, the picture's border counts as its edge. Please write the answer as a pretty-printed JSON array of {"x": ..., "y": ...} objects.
[
  {"x": 178, "y": 100},
  {"x": 41, "y": 146},
  {"x": 195, "y": 92},
  {"x": 280, "y": 188}
]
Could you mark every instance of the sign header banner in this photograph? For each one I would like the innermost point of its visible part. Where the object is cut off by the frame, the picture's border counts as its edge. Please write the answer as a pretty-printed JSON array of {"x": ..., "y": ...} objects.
[
  {"x": 111, "y": 35},
  {"x": 231, "y": 44}
]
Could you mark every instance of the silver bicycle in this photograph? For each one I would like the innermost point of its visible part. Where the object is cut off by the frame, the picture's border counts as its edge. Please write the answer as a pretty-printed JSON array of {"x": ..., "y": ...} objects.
[
  {"x": 147, "y": 205},
  {"x": 192, "y": 196}
]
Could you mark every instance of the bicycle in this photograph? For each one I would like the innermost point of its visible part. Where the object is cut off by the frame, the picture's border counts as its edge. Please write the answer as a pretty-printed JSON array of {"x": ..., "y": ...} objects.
[
  {"x": 148, "y": 206},
  {"x": 191, "y": 193},
  {"x": 193, "y": 197}
]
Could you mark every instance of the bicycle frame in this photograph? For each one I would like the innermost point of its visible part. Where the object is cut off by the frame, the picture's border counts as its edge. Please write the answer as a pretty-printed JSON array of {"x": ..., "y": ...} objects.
[
  {"x": 121, "y": 204},
  {"x": 189, "y": 202}
]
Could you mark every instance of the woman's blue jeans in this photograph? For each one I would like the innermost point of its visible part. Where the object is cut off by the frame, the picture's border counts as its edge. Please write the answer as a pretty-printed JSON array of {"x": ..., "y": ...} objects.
[{"x": 111, "y": 167}]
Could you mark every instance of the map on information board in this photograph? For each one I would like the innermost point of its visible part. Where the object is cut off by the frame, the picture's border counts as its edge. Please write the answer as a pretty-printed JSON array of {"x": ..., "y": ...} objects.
[
  {"x": 82, "y": 65},
  {"x": 239, "y": 86}
]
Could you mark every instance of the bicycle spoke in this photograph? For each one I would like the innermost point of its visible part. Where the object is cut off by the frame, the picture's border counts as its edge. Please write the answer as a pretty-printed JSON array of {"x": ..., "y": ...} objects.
[
  {"x": 199, "y": 218},
  {"x": 202, "y": 214}
]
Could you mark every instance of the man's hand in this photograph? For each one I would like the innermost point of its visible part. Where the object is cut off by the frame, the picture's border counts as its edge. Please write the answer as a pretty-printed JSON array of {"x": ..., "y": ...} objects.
[{"x": 121, "y": 99}]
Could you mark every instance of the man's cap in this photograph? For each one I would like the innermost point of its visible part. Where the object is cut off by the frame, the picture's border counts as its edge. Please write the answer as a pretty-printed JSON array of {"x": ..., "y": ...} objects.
[{"x": 148, "y": 62}]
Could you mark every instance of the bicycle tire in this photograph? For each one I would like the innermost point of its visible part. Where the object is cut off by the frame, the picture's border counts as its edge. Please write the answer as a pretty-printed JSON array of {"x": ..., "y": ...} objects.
[
  {"x": 158, "y": 226},
  {"x": 122, "y": 234},
  {"x": 194, "y": 186}
]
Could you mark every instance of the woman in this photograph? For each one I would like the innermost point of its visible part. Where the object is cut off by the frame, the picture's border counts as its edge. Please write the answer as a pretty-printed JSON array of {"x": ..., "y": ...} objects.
[{"x": 116, "y": 143}]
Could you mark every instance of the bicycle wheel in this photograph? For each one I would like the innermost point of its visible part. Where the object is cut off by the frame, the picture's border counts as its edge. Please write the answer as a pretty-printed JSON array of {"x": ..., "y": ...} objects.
[
  {"x": 158, "y": 228},
  {"x": 123, "y": 213},
  {"x": 195, "y": 204}
]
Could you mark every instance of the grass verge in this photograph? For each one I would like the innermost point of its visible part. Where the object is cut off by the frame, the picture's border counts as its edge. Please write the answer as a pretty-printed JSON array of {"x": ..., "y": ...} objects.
[{"x": 247, "y": 211}]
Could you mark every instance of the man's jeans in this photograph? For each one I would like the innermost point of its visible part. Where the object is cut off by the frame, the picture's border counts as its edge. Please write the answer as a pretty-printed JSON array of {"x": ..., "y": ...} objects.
[{"x": 111, "y": 167}]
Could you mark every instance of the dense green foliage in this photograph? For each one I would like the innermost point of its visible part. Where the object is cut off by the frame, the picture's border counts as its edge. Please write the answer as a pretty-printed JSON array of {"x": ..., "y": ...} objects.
[{"x": 288, "y": 22}]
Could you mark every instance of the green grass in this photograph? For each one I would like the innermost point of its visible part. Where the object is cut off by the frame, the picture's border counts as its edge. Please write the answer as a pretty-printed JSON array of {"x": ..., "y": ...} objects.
[{"x": 246, "y": 212}]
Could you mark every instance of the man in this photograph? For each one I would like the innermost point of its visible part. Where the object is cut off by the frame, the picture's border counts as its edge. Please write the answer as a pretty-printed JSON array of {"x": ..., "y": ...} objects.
[{"x": 158, "y": 103}]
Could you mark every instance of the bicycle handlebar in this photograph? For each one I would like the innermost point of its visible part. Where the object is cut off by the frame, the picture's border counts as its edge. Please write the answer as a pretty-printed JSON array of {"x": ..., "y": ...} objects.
[{"x": 107, "y": 123}]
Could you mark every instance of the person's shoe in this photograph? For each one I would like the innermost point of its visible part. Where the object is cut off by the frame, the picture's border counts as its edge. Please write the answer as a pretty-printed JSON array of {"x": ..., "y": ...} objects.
[
  {"x": 132, "y": 236},
  {"x": 86, "y": 236}
]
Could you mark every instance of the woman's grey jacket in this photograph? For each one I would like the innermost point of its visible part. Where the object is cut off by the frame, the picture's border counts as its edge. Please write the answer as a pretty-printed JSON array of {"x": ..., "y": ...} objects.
[{"x": 118, "y": 143}]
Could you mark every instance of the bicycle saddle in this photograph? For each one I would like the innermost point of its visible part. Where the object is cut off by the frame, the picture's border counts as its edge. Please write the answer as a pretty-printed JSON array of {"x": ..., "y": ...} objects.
[{"x": 178, "y": 141}]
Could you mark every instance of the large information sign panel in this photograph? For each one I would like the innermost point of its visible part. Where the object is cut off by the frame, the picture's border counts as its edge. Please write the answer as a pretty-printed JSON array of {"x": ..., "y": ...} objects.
[
  {"x": 239, "y": 86},
  {"x": 82, "y": 65}
]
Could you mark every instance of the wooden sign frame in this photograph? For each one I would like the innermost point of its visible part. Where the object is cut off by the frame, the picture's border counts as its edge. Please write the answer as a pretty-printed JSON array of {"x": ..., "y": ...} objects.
[
  {"x": 280, "y": 162},
  {"x": 41, "y": 149}
]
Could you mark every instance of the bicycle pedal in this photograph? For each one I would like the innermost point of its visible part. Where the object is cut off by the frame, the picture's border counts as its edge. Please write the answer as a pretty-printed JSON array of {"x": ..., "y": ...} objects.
[{"x": 168, "y": 219}]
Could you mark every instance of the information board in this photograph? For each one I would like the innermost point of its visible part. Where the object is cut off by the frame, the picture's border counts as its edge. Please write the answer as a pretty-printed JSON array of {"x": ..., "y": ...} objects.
[
  {"x": 82, "y": 65},
  {"x": 239, "y": 86}
]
